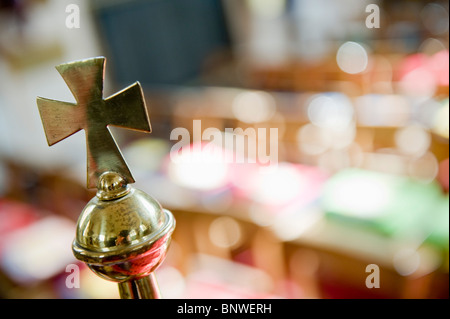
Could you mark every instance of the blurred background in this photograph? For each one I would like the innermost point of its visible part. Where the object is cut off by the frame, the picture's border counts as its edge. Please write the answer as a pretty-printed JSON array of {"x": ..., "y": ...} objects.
[{"x": 362, "y": 113}]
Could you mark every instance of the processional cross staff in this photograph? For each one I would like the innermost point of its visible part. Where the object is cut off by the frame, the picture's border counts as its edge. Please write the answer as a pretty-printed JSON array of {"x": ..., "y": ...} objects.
[
  {"x": 93, "y": 114},
  {"x": 122, "y": 233}
]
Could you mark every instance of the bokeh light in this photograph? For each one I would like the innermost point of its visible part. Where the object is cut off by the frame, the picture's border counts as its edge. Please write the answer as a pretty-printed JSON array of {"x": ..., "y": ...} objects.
[
  {"x": 253, "y": 106},
  {"x": 406, "y": 261},
  {"x": 441, "y": 121},
  {"x": 439, "y": 66},
  {"x": 383, "y": 110},
  {"x": 413, "y": 140},
  {"x": 421, "y": 75},
  {"x": 352, "y": 58},
  {"x": 172, "y": 282},
  {"x": 424, "y": 168},
  {"x": 332, "y": 110},
  {"x": 202, "y": 166},
  {"x": 38, "y": 251},
  {"x": 360, "y": 195},
  {"x": 278, "y": 186},
  {"x": 419, "y": 82},
  {"x": 312, "y": 139},
  {"x": 435, "y": 18},
  {"x": 431, "y": 46},
  {"x": 225, "y": 232}
]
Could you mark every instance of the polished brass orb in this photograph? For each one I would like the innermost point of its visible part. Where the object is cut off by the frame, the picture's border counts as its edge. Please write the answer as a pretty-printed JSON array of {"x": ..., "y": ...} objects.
[
  {"x": 111, "y": 186},
  {"x": 122, "y": 233}
]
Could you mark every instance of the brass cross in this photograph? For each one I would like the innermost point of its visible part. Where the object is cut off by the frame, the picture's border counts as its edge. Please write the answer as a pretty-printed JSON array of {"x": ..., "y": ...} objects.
[{"x": 93, "y": 114}]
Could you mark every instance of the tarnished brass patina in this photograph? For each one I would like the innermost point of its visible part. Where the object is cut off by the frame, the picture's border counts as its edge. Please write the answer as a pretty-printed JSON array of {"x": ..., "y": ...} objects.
[{"x": 122, "y": 234}]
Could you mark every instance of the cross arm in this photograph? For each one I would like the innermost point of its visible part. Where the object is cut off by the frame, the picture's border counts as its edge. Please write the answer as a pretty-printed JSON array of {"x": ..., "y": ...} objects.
[
  {"x": 60, "y": 119},
  {"x": 127, "y": 109}
]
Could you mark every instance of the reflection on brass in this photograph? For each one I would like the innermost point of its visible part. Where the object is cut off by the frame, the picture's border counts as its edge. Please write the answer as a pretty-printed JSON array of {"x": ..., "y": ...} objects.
[
  {"x": 124, "y": 239},
  {"x": 122, "y": 234},
  {"x": 144, "y": 288},
  {"x": 93, "y": 114}
]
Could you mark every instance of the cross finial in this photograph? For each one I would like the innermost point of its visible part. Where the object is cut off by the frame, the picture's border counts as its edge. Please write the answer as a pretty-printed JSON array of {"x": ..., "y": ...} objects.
[{"x": 93, "y": 114}]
